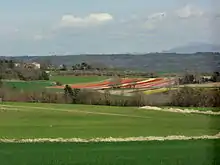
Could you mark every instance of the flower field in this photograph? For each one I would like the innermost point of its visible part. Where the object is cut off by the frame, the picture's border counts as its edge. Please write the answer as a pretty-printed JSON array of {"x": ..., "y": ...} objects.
[{"x": 125, "y": 83}]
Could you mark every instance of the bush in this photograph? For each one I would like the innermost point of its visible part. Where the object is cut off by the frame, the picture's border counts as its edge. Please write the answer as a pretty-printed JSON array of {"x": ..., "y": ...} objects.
[
  {"x": 59, "y": 83},
  {"x": 216, "y": 77},
  {"x": 44, "y": 76},
  {"x": 193, "y": 97},
  {"x": 187, "y": 79}
]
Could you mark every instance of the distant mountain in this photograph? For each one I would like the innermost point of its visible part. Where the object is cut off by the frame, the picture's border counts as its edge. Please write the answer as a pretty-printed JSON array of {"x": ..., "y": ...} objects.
[{"x": 195, "y": 47}]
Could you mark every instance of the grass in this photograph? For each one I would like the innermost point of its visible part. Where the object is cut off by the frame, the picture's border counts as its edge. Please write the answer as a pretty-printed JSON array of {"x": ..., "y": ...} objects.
[
  {"x": 158, "y": 90},
  {"x": 27, "y": 120},
  {"x": 215, "y": 109},
  {"x": 201, "y": 152},
  {"x": 28, "y": 85},
  {"x": 77, "y": 79},
  {"x": 41, "y": 85}
]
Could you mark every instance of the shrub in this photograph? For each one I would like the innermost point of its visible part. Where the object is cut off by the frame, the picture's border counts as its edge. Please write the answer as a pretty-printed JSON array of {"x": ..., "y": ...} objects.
[
  {"x": 196, "y": 97},
  {"x": 59, "y": 83},
  {"x": 216, "y": 77},
  {"x": 187, "y": 79},
  {"x": 44, "y": 76}
]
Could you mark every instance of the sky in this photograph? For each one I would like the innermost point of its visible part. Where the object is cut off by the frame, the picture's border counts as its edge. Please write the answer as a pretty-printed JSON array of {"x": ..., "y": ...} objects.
[{"x": 48, "y": 27}]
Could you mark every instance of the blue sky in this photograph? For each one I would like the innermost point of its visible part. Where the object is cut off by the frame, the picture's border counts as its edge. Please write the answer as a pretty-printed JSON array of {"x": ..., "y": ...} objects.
[{"x": 42, "y": 27}]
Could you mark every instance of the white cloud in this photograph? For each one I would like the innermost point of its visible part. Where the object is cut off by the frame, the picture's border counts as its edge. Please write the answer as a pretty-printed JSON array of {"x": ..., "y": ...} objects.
[
  {"x": 189, "y": 11},
  {"x": 100, "y": 17},
  {"x": 92, "y": 19}
]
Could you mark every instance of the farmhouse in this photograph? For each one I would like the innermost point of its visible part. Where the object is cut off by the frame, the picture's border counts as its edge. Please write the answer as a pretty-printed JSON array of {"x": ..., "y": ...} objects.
[
  {"x": 17, "y": 64},
  {"x": 36, "y": 65},
  {"x": 33, "y": 65}
]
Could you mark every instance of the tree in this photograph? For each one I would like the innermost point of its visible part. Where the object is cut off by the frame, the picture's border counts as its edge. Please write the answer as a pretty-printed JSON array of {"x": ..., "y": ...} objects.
[
  {"x": 216, "y": 77},
  {"x": 68, "y": 90},
  {"x": 75, "y": 95},
  {"x": 74, "y": 67},
  {"x": 63, "y": 67},
  {"x": 11, "y": 64},
  {"x": 82, "y": 66},
  {"x": 187, "y": 79},
  {"x": 71, "y": 93},
  {"x": 68, "y": 93},
  {"x": 44, "y": 76}
]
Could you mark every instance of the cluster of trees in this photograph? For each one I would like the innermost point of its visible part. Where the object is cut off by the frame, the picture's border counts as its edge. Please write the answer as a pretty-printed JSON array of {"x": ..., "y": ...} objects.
[
  {"x": 194, "y": 79},
  {"x": 196, "y": 97},
  {"x": 8, "y": 70},
  {"x": 72, "y": 96},
  {"x": 92, "y": 97},
  {"x": 6, "y": 64},
  {"x": 85, "y": 69},
  {"x": 82, "y": 66}
]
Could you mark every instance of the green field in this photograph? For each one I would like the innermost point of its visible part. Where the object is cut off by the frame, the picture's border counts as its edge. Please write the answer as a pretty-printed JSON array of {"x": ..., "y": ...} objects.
[
  {"x": 77, "y": 79},
  {"x": 35, "y": 120},
  {"x": 27, "y": 120},
  {"x": 201, "y": 152},
  {"x": 41, "y": 85},
  {"x": 28, "y": 85}
]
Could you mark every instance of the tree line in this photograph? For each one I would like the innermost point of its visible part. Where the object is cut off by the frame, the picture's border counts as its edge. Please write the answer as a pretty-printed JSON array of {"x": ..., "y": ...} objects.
[{"x": 185, "y": 97}]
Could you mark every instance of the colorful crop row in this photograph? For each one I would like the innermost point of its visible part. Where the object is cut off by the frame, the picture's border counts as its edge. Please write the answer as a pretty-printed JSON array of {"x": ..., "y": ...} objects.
[{"x": 125, "y": 83}]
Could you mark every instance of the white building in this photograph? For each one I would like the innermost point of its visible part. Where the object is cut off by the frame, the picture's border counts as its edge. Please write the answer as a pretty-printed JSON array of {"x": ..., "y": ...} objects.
[
  {"x": 36, "y": 65},
  {"x": 17, "y": 64}
]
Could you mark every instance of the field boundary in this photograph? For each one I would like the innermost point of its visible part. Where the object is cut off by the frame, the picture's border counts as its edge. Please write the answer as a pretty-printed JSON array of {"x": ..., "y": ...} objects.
[
  {"x": 16, "y": 108},
  {"x": 110, "y": 139},
  {"x": 184, "y": 111}
]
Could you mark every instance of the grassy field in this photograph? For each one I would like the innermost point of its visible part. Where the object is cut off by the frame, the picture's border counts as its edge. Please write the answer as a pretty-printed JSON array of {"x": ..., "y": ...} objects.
[
  {"x": 41, "y": 85},
  {"x": 201, "y": 152},
  {"x": 28, "y": 85},
  {"x": 26, "y": 120},
  {"x": 158, "y": 90},
  {"x": 77, "y": 79}
]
